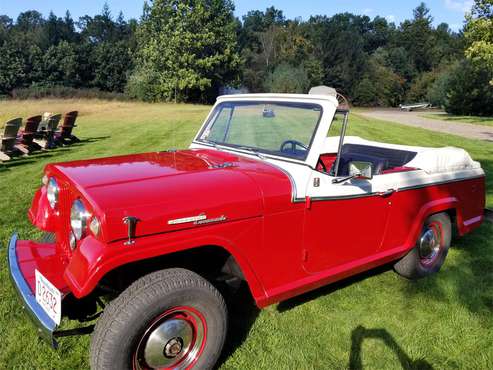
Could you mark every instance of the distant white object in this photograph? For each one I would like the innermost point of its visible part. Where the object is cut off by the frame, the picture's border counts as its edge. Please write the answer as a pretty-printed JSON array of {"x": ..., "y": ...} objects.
[{"x": 410, "y": 107}]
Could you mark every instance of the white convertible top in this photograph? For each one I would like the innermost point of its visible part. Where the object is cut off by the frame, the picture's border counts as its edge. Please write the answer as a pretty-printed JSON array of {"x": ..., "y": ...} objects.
[
  {"x": 430, "y": 160},
  {"x": 437, "y": 160}
]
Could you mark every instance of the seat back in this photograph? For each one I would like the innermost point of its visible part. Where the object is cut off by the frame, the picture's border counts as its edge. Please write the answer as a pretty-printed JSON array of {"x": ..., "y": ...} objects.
[
  {"x": 32, "y": 124},
  {"x": 10, "y": 134},
  {"x": 68, "y": 123},
  {"x": 53, "y": 122},
  {"x": 45, "y": 118},
  {"x": 12, "y": 128},
  {"x": 381, "y": 158}
]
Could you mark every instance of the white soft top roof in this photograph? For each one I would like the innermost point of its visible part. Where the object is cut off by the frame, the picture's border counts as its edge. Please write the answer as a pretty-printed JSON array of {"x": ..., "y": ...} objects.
[{"x": 430, "y": 160}]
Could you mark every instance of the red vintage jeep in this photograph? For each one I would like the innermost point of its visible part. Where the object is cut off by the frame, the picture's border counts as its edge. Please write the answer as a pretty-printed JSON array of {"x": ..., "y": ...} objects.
[{"x": 271, "y": 192}]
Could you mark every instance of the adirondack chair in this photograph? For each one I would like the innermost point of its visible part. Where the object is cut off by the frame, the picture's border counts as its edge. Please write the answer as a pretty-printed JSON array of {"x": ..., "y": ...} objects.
[
  {"x": 64, "y": 136},
  {"x": 43, "y": 125},
  {"x": 9, "y": 138},
  {"x": 46, "y": 138},
  {"x": 26, "y": 136}
]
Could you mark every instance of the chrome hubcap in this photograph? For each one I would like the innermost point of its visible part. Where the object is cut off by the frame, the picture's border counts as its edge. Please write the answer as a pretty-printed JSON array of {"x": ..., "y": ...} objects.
[
  {"x": 429, "y": 245},
  {"x": 173, "y": 347},
  {"x": 172, "y": 341},
  {"x": 168, "y": 343}
]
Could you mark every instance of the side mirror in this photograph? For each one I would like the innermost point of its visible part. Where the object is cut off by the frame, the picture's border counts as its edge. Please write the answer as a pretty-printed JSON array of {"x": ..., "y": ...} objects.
[{"x": 361, "y": 170}]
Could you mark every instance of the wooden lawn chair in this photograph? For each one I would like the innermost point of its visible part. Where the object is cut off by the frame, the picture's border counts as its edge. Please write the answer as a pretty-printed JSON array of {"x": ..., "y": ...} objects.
[{"x": 64, "y": 135}]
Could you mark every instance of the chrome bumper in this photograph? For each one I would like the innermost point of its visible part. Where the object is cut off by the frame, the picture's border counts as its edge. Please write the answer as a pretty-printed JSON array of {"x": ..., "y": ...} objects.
[{"x": 45, "y": 325}]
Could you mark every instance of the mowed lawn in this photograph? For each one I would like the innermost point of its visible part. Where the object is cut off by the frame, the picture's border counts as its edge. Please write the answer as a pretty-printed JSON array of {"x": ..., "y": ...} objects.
[{"x": 377, "y": 320}]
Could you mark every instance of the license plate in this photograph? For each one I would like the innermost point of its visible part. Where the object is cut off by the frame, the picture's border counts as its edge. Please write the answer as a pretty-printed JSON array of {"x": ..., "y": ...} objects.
[{"x": 49, "y": 297}]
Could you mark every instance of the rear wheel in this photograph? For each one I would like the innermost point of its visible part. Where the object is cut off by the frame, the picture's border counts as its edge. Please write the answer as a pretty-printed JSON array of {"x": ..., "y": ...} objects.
[
  {"x": 430, "y": 251},
  {"x": 170, "y": 319}
]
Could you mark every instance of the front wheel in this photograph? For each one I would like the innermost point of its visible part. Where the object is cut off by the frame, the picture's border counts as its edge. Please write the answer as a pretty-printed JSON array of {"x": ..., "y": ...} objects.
[
  {"x": 430, "y": 251},
  {"x": 169, "y": 319}
]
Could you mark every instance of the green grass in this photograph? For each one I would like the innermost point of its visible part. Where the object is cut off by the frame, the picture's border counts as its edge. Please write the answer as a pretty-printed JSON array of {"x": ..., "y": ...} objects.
[
  {"x": 377, "y": 320},
  {"x": 483, "y": 121}
]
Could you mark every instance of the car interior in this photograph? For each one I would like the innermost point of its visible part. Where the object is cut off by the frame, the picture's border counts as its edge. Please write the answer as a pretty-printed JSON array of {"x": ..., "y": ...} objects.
[{"x": 383, "y": 160}]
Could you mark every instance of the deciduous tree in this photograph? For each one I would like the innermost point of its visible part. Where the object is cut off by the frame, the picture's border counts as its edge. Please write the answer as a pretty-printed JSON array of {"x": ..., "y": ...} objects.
[{"x": 189, "y": 47}]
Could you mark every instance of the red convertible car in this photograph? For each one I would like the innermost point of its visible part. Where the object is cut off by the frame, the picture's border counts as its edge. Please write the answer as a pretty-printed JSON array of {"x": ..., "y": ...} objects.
[{"x": 271, "y": 192}]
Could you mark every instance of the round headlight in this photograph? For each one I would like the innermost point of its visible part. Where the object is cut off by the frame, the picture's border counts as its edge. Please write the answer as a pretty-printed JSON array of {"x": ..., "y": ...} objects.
[
  {"x": 52, "y": 191},
  {"x": 78, "y": 219}
]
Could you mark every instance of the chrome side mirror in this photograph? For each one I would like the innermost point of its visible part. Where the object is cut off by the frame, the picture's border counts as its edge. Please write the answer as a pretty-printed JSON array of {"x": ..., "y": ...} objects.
[{"x": 361, "y": 170}]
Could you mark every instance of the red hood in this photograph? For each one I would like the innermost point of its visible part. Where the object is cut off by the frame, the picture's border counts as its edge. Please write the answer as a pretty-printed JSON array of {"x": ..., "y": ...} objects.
[{"x": 158, "y": 187}]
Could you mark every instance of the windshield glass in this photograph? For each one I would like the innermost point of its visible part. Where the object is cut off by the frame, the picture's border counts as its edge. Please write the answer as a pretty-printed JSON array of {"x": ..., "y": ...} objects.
[{"x": 283, "y": 129}]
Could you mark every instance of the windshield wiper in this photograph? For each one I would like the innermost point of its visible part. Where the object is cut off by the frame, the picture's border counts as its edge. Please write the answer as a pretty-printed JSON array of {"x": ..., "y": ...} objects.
[{"x": 251, "y": 150}]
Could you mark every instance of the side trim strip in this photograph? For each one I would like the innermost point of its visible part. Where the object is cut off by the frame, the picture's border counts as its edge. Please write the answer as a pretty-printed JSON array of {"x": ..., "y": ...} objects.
[
  {"x": 439, "y": 183},
  {"x": 414, "y": 187},
  {"x": 473, "y": 220}
]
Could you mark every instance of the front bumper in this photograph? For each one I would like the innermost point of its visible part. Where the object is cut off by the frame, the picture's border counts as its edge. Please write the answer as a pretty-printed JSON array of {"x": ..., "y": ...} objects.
[{"x": 45, "y": 325}]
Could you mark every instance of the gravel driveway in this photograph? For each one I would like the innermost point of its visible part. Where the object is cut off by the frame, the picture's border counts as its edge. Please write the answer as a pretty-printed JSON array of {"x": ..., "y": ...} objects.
[{"x": 415, "y": 119}]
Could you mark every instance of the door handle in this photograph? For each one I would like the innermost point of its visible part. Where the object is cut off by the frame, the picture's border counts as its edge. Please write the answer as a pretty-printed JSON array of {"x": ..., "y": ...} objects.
[{"x": 386, "y": 193}]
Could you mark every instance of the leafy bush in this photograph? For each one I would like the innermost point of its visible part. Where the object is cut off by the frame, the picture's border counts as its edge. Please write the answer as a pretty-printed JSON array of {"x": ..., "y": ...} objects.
[
  {"x": 288, "y": 79},
  {"x": 437, "y": 92},
  {"x": 468, "y": 90},
  {"x": 380, "y": 86},
  {"x": 64, "y": 92},
  {"x": 418, "y": 92}
]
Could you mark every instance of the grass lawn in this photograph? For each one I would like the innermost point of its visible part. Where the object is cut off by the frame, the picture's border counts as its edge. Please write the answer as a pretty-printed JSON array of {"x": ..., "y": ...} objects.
[
  {"x": 377, "y": 320},
  {"x": 483, "y": 121}
]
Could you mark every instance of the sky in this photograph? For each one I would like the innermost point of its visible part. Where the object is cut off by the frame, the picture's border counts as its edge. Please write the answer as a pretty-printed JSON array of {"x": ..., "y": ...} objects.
[{"x": 448, "y": 11}]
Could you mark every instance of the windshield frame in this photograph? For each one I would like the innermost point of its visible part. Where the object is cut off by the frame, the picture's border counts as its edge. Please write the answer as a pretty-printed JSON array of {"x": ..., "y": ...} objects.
[{"x": 254, "y": 150}]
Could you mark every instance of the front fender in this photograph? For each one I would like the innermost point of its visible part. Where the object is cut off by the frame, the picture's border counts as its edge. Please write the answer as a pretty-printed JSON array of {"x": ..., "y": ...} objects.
[
  {"x": 93, "y": 259},
  {"x": 41, "y": 214}
]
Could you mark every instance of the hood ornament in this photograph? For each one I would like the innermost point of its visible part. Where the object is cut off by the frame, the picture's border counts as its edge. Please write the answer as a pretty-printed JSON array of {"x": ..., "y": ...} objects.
[{"x": 131, "y": 222}]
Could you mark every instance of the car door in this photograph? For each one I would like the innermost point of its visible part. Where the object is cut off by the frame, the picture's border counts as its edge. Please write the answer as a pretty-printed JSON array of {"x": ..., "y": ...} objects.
[{"x": 344, "y": 223}]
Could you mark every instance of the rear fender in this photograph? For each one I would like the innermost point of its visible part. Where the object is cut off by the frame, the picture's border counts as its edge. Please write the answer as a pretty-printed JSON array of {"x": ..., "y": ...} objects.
[{"x": 430, "y": 208}]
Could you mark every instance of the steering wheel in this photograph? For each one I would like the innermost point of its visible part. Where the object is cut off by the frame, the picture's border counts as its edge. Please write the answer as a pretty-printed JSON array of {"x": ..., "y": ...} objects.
[{"x": 294, "y": 144}]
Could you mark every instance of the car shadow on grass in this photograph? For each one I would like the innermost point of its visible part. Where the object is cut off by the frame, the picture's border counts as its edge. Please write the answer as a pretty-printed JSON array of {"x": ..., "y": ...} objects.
[
  {"x": 360, "y": 334},
  {"x": 469, "y": 274},
  {"x": 331, "y": 288},
  {"x": 242, "y": 312}
]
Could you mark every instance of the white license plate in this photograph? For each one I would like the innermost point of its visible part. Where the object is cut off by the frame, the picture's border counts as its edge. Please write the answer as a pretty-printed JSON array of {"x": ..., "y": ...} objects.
[{"x": 49, "y": 297}]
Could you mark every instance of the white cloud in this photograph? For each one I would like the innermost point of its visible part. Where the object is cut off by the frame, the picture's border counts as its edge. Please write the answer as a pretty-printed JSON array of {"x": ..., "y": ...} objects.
[
  {"x": 462, "y": 6},
  {"x": 368, "y": 11},
  {"x": 390, "y": 18}
]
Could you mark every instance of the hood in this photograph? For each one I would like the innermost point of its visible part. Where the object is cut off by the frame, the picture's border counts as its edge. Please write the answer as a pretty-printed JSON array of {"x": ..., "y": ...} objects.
[{"x": 168, "y": 191}]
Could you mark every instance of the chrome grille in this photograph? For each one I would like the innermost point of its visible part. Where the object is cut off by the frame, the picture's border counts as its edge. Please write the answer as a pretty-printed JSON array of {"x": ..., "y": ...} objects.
[{"x": 64, "y": 205}]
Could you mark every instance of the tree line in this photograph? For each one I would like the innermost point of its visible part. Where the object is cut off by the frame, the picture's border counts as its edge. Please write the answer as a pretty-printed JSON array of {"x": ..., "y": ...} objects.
[{"x": 192, "y": 50}]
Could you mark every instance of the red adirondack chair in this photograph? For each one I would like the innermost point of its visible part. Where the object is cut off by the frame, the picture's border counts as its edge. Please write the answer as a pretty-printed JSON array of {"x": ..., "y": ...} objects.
[
  {"x": 65, "y": 136},
  {"x": 26, "y": 136}
]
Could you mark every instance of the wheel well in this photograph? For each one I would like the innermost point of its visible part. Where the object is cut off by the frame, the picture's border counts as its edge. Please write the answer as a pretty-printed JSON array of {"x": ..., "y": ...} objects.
[
  {"x": 214, "y": 263},
  {"x": 452, "y": 213}
]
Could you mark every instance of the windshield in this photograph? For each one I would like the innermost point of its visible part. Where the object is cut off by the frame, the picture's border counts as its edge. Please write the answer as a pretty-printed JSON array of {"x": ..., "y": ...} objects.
[{"x": 283, "y": 129}]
